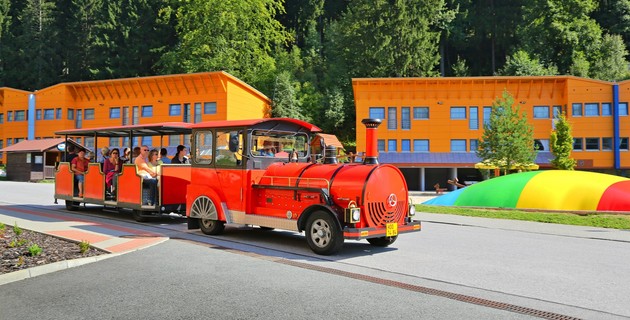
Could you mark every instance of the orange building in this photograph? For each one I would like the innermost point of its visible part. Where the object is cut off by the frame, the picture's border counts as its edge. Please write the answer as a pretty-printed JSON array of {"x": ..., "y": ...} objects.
[
  {"x": 183, "y": 97},
  {"x": 432, "y": 126}
]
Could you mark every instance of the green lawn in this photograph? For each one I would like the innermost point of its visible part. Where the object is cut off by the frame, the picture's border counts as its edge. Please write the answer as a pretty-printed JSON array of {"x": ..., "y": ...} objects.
[{"x": 601, "y": 220}]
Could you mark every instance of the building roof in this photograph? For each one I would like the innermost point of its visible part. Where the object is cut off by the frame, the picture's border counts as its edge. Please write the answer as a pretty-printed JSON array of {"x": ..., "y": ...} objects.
[
  {"x": 38, "y": 145},
  {"x": 331, "y": 140},
  {"x": 444, "y": 158}
]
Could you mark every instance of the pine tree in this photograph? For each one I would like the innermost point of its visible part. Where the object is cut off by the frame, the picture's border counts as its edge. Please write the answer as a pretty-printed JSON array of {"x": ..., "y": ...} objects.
[
  {"x": 508, "y": 139},
  {"x": 561, "y": 145}
]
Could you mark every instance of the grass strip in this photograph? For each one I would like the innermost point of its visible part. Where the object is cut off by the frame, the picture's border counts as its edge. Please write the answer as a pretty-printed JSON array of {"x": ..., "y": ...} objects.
[{"x": 600, "y": 220}]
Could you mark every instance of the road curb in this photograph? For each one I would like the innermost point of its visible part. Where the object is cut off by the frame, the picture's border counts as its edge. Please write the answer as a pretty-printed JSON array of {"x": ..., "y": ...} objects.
[{"x": 62, "y": 265}]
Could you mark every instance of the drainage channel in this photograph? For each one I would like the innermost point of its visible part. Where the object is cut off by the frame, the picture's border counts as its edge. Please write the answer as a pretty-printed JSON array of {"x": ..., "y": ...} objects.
[{"x": 400, "y": 285}]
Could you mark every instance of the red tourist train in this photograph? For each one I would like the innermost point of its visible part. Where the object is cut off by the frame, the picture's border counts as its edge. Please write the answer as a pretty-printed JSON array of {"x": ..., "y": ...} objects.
[{"x": 259, "y": 172}]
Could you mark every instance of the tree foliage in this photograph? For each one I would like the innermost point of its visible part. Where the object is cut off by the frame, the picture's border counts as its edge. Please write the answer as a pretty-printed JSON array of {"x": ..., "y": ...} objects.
[
  {"x": 235, "y": 36},
  {"x": 508, "y": 139},
  {"x": 561, "y": 142},
  {"x": 520, "y": 64}
]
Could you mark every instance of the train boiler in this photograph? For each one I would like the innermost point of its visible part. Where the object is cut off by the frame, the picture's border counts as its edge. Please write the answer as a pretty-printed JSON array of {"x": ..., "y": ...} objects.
[{"x": 271, "y": 180}]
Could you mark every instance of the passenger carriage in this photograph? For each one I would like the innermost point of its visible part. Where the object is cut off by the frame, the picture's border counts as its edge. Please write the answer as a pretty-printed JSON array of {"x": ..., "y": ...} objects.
[{"x": 173, "y": 178}]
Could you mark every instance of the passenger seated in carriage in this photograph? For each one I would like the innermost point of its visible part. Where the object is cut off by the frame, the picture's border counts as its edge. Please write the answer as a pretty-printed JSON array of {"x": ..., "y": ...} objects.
[
  {"x": 79, "y": 166},
  {"x": 148, "y": 170},
  {"x": 111, "y": 167}
]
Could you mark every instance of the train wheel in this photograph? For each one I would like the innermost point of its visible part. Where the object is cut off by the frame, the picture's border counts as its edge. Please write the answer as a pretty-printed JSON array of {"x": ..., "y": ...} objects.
[
  {"x": 71, "y": 205},
  {"x": 382, "y": 241},
  {"x": 211, "y": 227},
  {"x": 137, "y": 215},
  {"x": 323, "y": 235}
]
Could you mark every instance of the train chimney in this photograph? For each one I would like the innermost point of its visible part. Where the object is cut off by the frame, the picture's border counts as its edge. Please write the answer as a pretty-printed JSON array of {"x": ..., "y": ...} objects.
[
  {"x": 331, "y": 155},
  {"x": 371, "y": 150}
]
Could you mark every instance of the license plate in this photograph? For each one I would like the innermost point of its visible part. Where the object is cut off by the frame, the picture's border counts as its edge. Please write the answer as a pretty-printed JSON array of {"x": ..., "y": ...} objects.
[{"x": 392, "y": 229}]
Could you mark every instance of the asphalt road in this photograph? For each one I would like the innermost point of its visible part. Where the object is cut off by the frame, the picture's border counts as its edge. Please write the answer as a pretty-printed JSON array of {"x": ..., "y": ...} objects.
[{"x": 249, "y": 273}]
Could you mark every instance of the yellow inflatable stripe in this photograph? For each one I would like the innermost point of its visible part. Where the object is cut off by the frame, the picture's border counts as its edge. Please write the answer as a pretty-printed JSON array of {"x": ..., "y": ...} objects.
[{"x": 557, "y": 190}]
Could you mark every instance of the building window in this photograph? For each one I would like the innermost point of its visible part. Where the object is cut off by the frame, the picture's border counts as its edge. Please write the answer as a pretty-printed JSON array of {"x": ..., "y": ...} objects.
[
  {"x": 1, "y": 117},
  {"x": 114, "y": 113},
  {"x": 20, "y": 115},
  {"x": 8, "y": 141},
  {"x": 17, "y": 140},
  {"x": 392, "y": 145},
  {"x": 174, "y": 109},
  {"x": 174, "y": 140},
  {"x": 474, "y": 145},
  {"x": 623, "y": 143},
  {"x": 9, "y": 116},
  {"x": 542, "y": 144},
  {"x": 70, "y": 114},
  {"x": 486, "y": 115},
  {"x": 607, "y": 144},
  {"x": 135, "y": 115},
  {"x": 186, "y": 117},
  {"x": 458, "y": 145},
  {"x": 377, "y": 113},
  {"x": 58, "y": 115},
  {"x": 405, "y": 145},
  {"x": 557, "y": 110},
  {"x": 541, "y": 112},
  {"x": 623, "y": 108},
  {"x": 148, "y": 141},
  {"x": 458, "y": 113},
  {"x": 210, "y": 108},
  {"x": 38, "y": 114},
  {"x": 79, "y": 121},
  {"x": 577, "y": 109},
  {"x": 197, "y": 112},
  {"x": 591, "y": 144},
  {"x": 405, "y": 118},
  {"x": 606, "y": 109},
  {"x": 114, "y": 142},
  {"x": 147, "y": 111},
  {"x": 49, "y": 114},
  {"x": 591, "y": 109},
  {"x": 421, "y": 145},
  {"x": 89, "y": 142},
  {"x": 380, "y": 145},
  {"x": 88, "y": 114},
  {"x": 125, "y": 116},
  {"x": 420, "y": 113},
  {"x": 577, "y": 144},
  {"x": 473, "y": 122},
  {"x": 78, "y": 140},
  {"x": 391, "y": 121},
  {"x": 126, "y": 142}
]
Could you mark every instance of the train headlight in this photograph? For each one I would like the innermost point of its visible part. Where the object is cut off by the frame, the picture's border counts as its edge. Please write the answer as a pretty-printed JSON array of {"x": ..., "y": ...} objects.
[
  {"x": 412, "y": 209},
  {"x": 353, "y": 213}
]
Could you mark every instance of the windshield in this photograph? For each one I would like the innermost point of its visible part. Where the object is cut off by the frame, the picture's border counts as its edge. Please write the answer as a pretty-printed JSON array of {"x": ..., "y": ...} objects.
[{"x": 276, "y": 144}]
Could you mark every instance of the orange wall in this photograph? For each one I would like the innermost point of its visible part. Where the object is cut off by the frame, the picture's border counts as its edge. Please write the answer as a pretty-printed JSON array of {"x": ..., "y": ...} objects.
[
  {"x": 234, "y": 100},
  {"x": 12, "y": 100},
  {"x": 440, "y": 94}
]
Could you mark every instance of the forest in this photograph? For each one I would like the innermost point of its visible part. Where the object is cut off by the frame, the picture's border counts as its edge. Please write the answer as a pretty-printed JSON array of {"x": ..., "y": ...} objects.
[{"x": 303, "y": 53}]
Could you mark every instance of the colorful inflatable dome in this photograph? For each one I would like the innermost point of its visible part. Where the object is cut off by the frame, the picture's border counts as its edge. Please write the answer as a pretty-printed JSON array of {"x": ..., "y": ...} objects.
[{"x": 550, "y": 190}]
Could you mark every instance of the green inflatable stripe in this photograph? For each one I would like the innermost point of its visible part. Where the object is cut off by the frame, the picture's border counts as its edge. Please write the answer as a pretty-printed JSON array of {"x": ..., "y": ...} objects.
[{"x": 502, "y": 192}]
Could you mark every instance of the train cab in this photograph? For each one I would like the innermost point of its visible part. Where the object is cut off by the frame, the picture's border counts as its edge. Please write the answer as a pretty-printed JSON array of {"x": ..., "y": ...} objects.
[{"x": 261, "y": 172}]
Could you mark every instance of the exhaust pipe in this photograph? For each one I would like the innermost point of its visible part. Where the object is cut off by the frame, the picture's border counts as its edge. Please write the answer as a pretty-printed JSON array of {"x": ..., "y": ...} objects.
[{"x": 371, "y": 150}]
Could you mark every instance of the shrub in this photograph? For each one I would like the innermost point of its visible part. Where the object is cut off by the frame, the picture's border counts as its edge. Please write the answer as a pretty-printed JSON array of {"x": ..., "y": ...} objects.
[
  {"x": 84, "y": 246},
  {"x": 34, "y": 250},
  {"x": 17, "y": 230}
]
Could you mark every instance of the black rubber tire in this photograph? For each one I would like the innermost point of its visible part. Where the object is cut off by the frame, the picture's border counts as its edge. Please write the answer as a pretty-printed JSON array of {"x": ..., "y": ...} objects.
[
  {"x": 72, "y": 206},
  {"x": 323, "y": 233},
  {"x": 382, "y": 241},
  {"x": 137, "y": 215},
  {"x": 211, "y": 227}
]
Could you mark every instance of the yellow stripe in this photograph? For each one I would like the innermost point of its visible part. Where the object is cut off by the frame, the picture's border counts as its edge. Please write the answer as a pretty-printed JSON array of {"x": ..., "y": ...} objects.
[{"x": 566, "y": 190}]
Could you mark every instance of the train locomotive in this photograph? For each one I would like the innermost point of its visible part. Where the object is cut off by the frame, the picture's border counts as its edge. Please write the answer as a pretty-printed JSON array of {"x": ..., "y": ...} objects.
[{"x": 261, "y": 172}]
